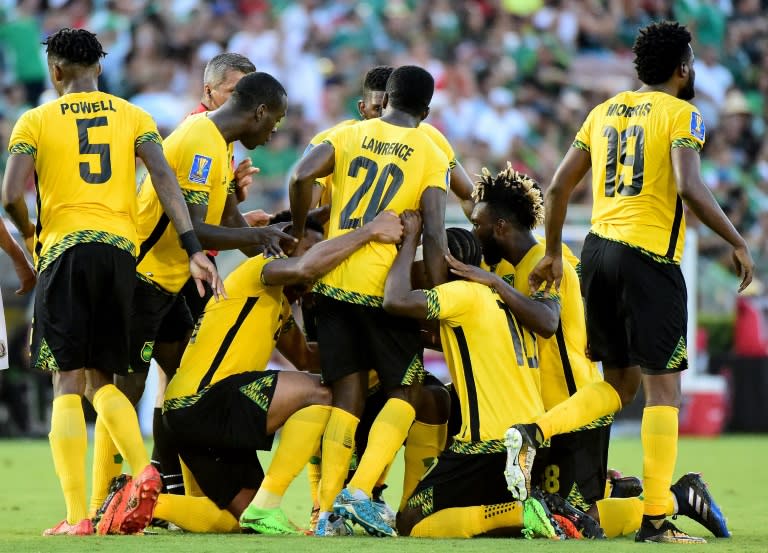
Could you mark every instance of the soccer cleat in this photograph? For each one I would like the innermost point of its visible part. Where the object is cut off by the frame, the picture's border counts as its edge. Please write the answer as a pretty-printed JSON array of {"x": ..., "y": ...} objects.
[
  {"x": 586, "y": 525},
  {"x": 666, "y": 533},
  {"x": 536, "y": 520},
  {"x": 268, "y": 521},
  {"x": 134, "y": 513},
  {"x": 63, "y": 528},
  {"x": 119, "y": 490},
  {"x": 520, "y": 454},
  {"x": 571, "y": 532},
  {"x": 363, "y": 512},
  {"x": 695, "y": 501},
  {"x": 334, "y": 525},
  {"x": 618, "y": 486}
]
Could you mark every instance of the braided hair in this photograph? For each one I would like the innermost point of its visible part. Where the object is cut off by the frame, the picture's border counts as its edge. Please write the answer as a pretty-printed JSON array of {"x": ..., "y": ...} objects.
[
  {"x": 464, "y": 246},
  {"x": 76, "y": 46},
  {"x": 511, "y": 195}
]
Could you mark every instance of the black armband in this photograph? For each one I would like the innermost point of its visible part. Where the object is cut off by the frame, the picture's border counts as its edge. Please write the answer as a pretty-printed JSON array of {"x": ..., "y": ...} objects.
[{"x": 190, "y": 243}]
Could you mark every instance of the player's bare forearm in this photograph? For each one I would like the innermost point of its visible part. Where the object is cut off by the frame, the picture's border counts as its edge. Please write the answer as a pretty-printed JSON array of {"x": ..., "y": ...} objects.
[
  {"x": 317, "y": 163},
  {"x": 461, "y": 186},
  {"x": 10, "y": 246},
  {"x": 166, "y": 186},
  {"x": 18, "y": 170},
  {"x": 215, "y": 237},
  {"x": 541, "y": 316},
  {"x": 399, "y": 298},
  {"x": 301, "y": 354},
  {"x": 697, "y": 196},
  {"x": 232, "y": 218},
  {"x": 572, "y": 169},
  {"x": 434, "y": 240},
  {"x": 326, "y": 255}
]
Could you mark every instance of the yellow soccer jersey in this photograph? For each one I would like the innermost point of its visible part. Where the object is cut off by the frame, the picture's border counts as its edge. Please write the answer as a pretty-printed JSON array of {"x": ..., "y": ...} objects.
[
  {"x": 201, "y": 160},
  {"x": 378, "y": 166},
  {"x": 630, "y": 138},
  {"x": 492, "y": 359},
  {"x": 234, "y": 335},
  {"x": 440, "y": 141},
  {"x": 84, "y": 145},
  {"x": 563, "y": 359}
]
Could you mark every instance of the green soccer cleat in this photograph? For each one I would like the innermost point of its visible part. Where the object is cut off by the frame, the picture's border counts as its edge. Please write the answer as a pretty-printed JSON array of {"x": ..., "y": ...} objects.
[
  {"x": 666, "y": 533},
  {"x": 271, "y": 522},
  {"x": 535, "y": 520}
]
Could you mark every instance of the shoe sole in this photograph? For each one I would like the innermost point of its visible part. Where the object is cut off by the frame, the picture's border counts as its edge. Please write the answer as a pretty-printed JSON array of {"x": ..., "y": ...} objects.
[
  {"x": 139, "y": 516},
  {"x": 588, "y": 526},
  {"x": 691, "y": 540},
  {"x": 253, "y": 524},
  {"x": 349, "y": 513},
  {"x": 517, "y": 482}
]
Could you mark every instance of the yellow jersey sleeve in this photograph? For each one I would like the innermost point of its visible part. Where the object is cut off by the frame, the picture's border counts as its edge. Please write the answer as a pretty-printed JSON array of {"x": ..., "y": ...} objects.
[
  {"x": 688, "y": 130},
  {"x": 146, "y": 129},
  {"x": 195, "y": 164},
  {"x": 441, "y": 142},
  {"x": 24, "y": 138},
  {"x": 451, "y": 301}
]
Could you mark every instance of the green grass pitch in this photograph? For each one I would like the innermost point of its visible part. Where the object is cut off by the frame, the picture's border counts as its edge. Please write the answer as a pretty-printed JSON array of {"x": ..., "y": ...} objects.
[{"x": 734, "y": 466}]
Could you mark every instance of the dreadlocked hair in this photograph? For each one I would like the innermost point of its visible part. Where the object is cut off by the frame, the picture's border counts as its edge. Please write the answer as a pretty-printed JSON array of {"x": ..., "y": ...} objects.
[
  {"x": 376, "y": 78},
  {"x": 76, "y": 46},
  {"x": 464, "y": 246},
  {"x": 511, "y": 195},
  {"x": 659, "y": 50}
]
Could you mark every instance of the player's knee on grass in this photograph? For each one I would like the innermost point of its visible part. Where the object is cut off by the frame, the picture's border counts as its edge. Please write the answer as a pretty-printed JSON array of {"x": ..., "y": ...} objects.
[{"x": 407, "y": 519}]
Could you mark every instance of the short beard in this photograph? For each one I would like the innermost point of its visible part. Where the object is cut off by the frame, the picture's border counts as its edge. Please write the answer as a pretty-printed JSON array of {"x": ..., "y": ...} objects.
[{"x": 689, "y": 92}]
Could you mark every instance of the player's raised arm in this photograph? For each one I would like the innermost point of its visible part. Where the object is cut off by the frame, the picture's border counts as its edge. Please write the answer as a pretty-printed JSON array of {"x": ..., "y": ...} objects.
[
  {"x": 461, "y": 186},
  {"x": 399, "y": 298},
  {"x": 572, "y": 169},
  {"x": 317, "y": 163},
  {"x": 434, "y": 240},
  {"x": 323, "y": 257}
]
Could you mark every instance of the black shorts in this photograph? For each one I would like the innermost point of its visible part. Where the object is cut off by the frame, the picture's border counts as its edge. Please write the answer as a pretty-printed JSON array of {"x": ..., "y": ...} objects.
[
  {"x": 195, "y": 303},
  {"x": 354, "y": 338},
  {"x": 636, "y": 308},
  {"x": 82, "y": 310},
  {"x": 218, "y": 430},
  {"x": 462, "y": 480},
  {"x": 309, "y": 315},
  {"x": 153, "y": 309},
  {"x": 575, "y": 466}
]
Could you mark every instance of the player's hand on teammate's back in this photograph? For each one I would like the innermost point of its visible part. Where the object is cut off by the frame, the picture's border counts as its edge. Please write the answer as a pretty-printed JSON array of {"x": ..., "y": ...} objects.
[
  {"x": 202, "y": 270},
  {"x": 386, "y": 227},
  {"x": 244, "y": 178},
  {"x": 470, "y": 272},
  {"x": 745, "y": 266},
  {"x": 27, "y": 276},
  {"x": 269, "y": 238},
  {"x": 257, "y": 218},
  {"x": 411, "y": 223},
  {"x": 548, "y": 271}
]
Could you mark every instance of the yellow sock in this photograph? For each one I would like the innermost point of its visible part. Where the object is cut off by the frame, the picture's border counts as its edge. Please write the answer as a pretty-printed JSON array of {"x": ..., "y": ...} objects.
[
  {"x": 120, "y": 418},
  {"x": 69, "y": 443},
  {"x": 107, "y": 464},
  {"x": 313, "y": 475},
  {"x": 338, "y": 445},
  {"x": 388, "y": 432},
  {"x": 658, "y": 433},
  {"x": 299, "y": 438},
  {"x": 425, "y": 442},
  {"x": 195, "y": 514},
  {"x": 466, "y": 522},
  {"x": 620, "y": 516},
  {"x": 590, "y": 403}
]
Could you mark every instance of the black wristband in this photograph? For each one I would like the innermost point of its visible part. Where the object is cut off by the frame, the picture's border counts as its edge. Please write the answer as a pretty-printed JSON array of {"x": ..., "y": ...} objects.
[{"x": 190, "y": 243}]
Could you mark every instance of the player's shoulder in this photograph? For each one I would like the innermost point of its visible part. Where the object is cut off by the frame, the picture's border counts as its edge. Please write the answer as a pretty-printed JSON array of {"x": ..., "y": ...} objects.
[{"x": 322, "y": 135}]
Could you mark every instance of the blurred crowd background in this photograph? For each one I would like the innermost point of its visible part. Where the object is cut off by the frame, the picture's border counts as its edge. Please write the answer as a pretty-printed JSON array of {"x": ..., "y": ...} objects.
[{"x": 515, "y": 79}]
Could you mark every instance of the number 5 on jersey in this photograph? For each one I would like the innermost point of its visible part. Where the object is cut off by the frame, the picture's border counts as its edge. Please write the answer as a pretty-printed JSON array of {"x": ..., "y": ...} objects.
[{"x": 88, "y": 147}]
